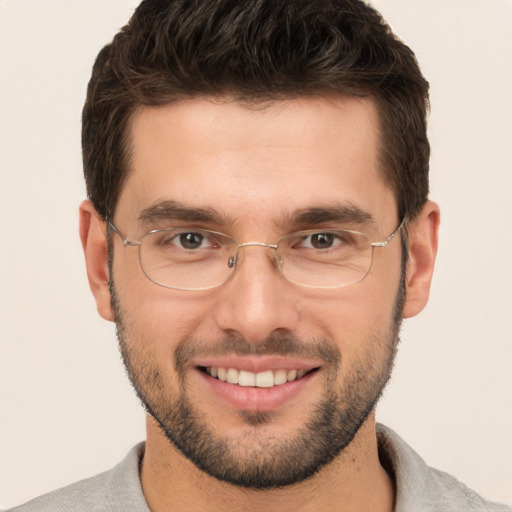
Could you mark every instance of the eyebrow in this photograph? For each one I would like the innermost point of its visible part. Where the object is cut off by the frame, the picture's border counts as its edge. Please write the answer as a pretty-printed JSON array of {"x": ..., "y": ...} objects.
[
  {"x": 174, "y": 210},
  {"x": 344, "y": 213},
  {"x": 340, "y": 213}
]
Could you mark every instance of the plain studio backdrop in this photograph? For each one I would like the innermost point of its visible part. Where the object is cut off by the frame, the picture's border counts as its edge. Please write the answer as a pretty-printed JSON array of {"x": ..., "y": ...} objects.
[{"x": 67, "y": 410}]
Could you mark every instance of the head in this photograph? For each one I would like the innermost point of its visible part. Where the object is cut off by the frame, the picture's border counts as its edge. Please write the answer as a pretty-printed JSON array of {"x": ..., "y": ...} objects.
[{"x": 258, "y": 119}]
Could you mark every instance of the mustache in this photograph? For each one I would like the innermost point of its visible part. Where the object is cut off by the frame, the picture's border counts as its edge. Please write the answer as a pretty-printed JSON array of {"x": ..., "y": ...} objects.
[{"x": 274, "y": 345}]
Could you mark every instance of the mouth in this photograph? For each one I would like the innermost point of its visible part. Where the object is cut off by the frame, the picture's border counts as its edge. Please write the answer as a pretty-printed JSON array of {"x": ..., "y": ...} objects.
[
  {"x": 263, "y": 379},
  {"x": 257, "y": 383}
]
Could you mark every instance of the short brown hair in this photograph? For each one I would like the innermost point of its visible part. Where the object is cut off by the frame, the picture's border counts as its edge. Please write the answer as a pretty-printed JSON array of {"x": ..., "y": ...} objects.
[{"x": 255, "y": 51}]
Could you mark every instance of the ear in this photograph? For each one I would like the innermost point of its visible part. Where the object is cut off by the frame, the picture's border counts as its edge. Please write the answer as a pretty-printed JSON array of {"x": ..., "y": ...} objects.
[
  {"x": 94, "y": 242},
  {"x": 423, "y": 238}
]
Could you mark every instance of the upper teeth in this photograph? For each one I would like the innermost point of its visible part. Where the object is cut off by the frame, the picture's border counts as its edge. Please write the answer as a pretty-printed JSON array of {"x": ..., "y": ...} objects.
[{"x": 266, "y": 379}]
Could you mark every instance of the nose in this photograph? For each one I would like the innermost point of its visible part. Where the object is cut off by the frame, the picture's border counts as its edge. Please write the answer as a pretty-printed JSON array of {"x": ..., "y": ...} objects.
[{"x": 257, "y": 301}]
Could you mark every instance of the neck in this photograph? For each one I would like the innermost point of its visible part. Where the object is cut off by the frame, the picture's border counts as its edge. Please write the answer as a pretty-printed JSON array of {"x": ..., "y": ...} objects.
[{"x": 354, "y": 481}]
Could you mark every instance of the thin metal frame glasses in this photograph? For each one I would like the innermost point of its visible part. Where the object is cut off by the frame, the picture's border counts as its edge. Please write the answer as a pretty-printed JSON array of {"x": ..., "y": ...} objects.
[{"x": 199, "y": 259}]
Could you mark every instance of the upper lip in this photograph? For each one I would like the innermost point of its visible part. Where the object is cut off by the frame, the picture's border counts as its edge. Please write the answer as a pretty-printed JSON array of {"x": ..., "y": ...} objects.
[{"x": 256, "y": 364}]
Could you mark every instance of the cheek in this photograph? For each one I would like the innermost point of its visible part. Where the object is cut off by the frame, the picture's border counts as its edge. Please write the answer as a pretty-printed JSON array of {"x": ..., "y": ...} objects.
[
  {"x": 153, "y": 326},
  {"x": 359, "y": 319},
  {"x": 157, "y": 318},
  {"x": 355, "y": 311}
]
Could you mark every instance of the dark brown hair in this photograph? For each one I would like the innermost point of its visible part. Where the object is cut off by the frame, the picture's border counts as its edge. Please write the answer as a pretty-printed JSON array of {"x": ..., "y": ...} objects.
[{"x": 255, "y": 51}]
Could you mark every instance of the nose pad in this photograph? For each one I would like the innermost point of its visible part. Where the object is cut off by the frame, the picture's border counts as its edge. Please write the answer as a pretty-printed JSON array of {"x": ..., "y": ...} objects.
[{"x": 235, "y": 260}]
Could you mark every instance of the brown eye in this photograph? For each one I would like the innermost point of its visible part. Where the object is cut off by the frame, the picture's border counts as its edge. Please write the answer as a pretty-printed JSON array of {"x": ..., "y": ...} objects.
[
  {"x": 191, "y": 240},
  {"x": 322, "y": 240}
]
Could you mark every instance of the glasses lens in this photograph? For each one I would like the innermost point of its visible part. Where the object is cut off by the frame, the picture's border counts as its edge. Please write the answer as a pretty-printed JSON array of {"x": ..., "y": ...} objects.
[
  {"x": 325, "y": 259},
  {"x": 187, "y": 259}
]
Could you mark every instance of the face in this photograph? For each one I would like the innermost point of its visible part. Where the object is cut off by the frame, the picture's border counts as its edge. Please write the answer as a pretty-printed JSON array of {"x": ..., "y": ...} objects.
[{"x": 315, "y": 360}]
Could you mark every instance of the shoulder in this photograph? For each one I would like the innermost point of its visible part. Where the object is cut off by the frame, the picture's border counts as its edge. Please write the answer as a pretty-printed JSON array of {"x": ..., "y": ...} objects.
[
  {"x": 118, "y": 489},
  {"x": 425, "y": 489}
]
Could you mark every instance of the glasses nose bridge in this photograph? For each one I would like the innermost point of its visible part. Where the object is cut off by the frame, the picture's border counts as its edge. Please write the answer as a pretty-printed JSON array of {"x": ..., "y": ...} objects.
[
  {"x": 257, "y": 244},
  {"x": 233, "y": 261}
]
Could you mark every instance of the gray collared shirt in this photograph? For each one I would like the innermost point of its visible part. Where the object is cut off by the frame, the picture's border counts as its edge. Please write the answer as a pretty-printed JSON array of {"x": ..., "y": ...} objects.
[{"x": 419, "y": 488}]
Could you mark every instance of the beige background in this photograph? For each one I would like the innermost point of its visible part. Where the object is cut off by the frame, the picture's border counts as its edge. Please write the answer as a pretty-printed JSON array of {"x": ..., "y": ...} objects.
[{"x": 66, "y": 408}]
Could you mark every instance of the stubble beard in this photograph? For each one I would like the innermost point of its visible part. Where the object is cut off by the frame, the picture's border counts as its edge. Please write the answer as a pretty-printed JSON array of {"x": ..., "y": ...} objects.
[{"x": 266, "y": 462}]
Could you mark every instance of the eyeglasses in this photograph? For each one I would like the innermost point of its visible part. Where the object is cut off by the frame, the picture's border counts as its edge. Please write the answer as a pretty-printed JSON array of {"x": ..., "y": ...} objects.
[{"x": 200, "y": 259}]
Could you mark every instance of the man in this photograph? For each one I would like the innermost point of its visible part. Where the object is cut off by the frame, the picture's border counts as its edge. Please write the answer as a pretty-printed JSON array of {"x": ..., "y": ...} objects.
[{"x": 258, "y": 225}]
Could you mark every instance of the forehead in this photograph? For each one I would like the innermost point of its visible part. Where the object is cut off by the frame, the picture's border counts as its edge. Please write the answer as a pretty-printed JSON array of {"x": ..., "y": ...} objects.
[{"x": 252, "y": 161}]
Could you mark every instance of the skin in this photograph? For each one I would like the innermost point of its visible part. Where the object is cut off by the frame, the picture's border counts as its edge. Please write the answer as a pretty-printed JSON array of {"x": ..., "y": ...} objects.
[{"x": 257, "y": 168}]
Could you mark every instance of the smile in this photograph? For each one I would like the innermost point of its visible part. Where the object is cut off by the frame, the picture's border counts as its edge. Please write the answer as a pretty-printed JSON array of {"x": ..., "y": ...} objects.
[
  {"x": 264, "y": 379},
  {"x": 257, "y": 383}
]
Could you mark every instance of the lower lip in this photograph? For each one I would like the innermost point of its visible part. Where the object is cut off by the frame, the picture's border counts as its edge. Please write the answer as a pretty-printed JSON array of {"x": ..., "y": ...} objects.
[{"x": 257, "y": 399}]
